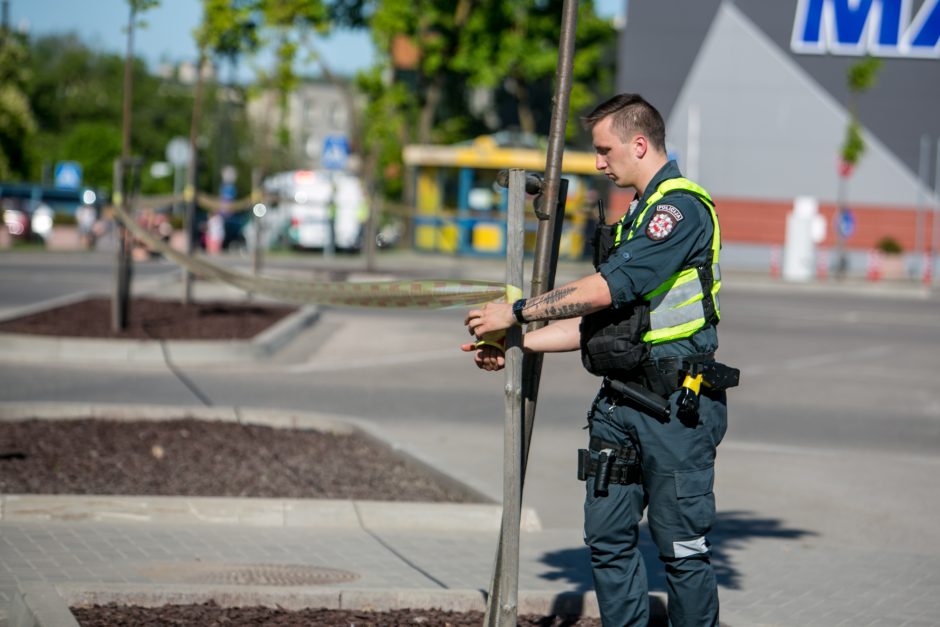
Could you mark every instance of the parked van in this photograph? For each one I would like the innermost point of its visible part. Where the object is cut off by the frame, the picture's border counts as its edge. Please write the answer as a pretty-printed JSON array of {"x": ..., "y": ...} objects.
[{"x": 327, "y": 210}]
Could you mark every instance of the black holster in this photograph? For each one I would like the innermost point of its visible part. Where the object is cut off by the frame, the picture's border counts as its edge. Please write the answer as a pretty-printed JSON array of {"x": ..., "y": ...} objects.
[{"x": 615, "y": 464}]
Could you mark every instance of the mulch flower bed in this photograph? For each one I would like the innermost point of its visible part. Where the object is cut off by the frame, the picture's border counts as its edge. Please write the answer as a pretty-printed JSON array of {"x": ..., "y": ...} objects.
[
  {"x": 207, "y": 614},
  {"x": 203, "y": 458},
  {"x": 152, "y": 319}
]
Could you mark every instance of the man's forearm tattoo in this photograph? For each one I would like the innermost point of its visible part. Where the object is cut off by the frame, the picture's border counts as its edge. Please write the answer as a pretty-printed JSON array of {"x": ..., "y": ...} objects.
[{"x": 553, "y": 308}]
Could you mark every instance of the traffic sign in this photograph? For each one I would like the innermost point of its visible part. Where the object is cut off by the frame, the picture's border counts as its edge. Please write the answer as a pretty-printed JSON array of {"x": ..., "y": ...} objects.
[
  {"x": 68, "y": 174},
  {"x": 178, "y": 152},
  {"x": 846, "y": 223},
  {"x": 335, "y": 152}
]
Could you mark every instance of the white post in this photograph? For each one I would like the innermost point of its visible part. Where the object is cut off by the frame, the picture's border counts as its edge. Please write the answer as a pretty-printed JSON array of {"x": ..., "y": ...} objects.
[{"x": 799, "y": 250}]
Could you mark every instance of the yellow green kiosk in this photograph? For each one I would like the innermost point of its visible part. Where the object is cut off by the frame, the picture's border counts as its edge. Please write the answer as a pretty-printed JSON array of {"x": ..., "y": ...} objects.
[{"x": 459, "y": 209}]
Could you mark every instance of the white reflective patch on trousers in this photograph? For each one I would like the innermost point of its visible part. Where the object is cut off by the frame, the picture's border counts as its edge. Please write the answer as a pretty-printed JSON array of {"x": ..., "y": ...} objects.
[{"x": 685, "y": 548}]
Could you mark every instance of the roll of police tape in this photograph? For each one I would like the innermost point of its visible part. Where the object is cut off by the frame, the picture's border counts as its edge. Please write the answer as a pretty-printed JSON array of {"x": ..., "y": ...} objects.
[{"x": 428, "y": 293}]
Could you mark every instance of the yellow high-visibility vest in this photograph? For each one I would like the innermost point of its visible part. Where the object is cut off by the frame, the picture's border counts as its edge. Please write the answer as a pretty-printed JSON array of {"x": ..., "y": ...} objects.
[{"x": 680, "y": 306}]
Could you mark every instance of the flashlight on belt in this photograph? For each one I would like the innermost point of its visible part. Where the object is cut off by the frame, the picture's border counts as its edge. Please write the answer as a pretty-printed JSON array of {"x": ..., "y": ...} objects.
[{"x": 605, "y": 461}]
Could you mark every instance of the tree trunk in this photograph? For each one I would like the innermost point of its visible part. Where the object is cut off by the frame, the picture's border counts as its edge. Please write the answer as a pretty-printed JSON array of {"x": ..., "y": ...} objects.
[{"x": 520, "y": 91}]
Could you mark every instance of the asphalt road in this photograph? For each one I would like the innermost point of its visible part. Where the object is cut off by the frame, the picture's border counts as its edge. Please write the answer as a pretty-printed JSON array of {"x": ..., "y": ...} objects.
[{"x": 826, "y": 369}]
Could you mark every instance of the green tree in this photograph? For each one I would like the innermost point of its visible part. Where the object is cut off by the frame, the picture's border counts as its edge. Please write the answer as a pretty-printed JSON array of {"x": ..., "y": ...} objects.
[
  {"x": 515, "y": 46},
  {"x": 860, "y": 78},
  {"x": 76, "y": 93},
  {"x": 17, "y": 122},
  {"x": 510, "y": 49}
]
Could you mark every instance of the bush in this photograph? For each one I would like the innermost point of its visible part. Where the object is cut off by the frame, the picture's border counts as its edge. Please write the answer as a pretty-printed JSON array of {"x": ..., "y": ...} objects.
[{"x": 889, "y": 246}]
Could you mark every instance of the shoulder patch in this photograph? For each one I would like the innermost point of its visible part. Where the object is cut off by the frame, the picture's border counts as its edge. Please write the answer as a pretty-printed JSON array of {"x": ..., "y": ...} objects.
[
  {"x": 675, "y": 213},
  {"x": 663, "y": 222}
]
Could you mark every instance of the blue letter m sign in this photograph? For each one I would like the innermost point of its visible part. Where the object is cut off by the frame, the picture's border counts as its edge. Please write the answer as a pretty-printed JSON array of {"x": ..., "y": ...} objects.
[{"x": 881, "y": 28}]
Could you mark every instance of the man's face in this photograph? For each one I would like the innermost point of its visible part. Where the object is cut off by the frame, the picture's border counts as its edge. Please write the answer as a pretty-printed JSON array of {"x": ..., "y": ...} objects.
[{"x": 614, "y": 157}]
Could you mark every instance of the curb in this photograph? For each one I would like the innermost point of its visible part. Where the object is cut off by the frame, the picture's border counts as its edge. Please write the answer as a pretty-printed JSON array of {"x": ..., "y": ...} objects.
[
  {"x": 37, "y": 348},
  {"x": 306, "y": 513},
  {"x": 47, "y": 605}
]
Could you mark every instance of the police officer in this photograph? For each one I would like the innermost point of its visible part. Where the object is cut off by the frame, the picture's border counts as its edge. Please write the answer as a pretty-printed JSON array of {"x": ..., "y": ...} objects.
[{"x": 645, "y": 321}]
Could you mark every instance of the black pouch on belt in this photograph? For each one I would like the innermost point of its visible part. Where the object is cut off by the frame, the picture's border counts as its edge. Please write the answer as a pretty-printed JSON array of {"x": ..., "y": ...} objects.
[{"x": 719, "y": 376}]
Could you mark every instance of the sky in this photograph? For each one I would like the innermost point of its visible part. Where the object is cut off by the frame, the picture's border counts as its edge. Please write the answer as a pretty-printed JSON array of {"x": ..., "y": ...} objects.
[{"x": 168, "y": 34}]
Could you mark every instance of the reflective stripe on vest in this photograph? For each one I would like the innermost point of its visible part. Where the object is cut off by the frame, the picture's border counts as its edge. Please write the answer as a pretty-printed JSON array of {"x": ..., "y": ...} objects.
[{"x": 677, "y": 306}]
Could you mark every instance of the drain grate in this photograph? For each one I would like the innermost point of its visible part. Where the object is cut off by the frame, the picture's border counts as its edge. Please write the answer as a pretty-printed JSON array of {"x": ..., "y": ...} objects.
[{"x": 249, "y": 574}]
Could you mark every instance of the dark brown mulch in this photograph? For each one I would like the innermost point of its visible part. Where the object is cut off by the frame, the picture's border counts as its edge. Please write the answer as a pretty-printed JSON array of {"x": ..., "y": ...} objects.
[
  {"x": 202, "y": 458},
  {"x": 207, "y": 614},
  {"x": 152, "y": 319}
]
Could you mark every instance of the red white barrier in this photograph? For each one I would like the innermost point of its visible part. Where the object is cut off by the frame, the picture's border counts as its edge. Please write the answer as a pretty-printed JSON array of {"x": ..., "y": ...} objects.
[
  {"x": 822, "y": 264},
  {"x": 875, "y": 266},
  {"x": 775, "y": 262}
]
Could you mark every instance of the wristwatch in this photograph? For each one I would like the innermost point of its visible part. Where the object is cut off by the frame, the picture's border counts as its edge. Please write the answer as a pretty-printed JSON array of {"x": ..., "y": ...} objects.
[{"x": 517, "y": 308}]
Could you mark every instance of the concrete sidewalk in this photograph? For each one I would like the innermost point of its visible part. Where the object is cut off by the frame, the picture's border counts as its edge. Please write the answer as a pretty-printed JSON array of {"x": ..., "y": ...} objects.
[
  {"x": 61, "y": 550},
  {"x": 778, "y": 562},
  {"x": 802, "y": 536}
]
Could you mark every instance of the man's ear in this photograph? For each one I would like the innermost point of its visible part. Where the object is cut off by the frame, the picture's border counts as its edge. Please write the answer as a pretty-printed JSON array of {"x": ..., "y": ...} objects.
[{"x": 640, "y": 146}]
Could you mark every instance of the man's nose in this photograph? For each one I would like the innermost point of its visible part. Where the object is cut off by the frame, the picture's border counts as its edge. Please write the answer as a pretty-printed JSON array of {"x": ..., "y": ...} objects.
[{"x": 599, "y": 162}]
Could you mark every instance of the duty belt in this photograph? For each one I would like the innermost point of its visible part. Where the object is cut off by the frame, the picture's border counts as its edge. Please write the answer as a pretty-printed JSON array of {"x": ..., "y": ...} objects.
[{"x": 663, "y": 375}]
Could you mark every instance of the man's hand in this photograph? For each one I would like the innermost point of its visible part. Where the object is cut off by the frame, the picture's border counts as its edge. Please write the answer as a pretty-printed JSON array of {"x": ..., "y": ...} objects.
[
  {"x": 486, "y": 357},
  {"x": 492, "y": 317}
]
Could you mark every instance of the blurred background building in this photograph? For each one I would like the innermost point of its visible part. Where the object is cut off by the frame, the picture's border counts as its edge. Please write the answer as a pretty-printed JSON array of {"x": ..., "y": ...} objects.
[{"x": 757, "y": 103}]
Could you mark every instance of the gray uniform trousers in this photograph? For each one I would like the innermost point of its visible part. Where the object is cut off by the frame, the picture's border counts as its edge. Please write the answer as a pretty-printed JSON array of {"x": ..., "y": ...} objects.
[{"x": 677, "y": 468}]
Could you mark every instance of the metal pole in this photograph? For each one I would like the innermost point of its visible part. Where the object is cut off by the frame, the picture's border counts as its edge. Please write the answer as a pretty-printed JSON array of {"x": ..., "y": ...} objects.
[
  {"x": 505, "y": 606},
  {"x": 546, "y": 245},
  {"x": 189, "y": 223},
  {"x": 693, "y": 139},
  {"x": 255, "y": 199},
  {"x": 546, "y": 240},
  {"x": 118, "y": 294},
  {"x": 121, "y": 295},
  {"x": 935, "y": 245},
  {"x": 193, "y": 184},
  {"x": 842, "y": 263},
  {"x": 920, "y": 235}
]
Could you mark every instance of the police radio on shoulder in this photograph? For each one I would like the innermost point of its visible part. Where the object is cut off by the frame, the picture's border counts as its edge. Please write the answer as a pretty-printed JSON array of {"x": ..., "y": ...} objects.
[{"x": 517, "y": 308}]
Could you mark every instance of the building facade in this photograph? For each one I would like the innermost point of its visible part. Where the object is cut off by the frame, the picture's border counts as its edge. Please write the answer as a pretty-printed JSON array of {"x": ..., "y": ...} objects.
[{"x": 757, "y": 104}]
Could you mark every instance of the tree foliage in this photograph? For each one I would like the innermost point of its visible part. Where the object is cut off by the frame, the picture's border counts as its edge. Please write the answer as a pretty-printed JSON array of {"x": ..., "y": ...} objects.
[
  {"x": 76, "y": 94},
  {"x": 505, "y": 52},
  {"x": 861, "y": 77},
  {"x": 17, "y": 122}
]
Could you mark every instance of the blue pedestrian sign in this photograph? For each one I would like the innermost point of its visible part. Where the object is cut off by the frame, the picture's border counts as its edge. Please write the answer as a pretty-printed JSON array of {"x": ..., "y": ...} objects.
[
  {"x": 335, "y": 152},
  {"x": 68, "y": 175},
  {"x": 846, "y": 223}
]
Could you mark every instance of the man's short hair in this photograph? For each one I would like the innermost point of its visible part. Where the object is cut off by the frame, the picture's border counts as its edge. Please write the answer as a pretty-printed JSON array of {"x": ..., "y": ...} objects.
[{"x": 630, "y": 114}]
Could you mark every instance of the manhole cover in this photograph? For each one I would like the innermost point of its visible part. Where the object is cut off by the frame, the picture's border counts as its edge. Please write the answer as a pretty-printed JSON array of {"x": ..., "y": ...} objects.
[{"x": 249, "y": 574}]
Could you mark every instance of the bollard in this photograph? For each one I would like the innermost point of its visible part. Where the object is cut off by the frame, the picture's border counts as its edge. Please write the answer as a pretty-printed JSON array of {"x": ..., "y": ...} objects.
[
  {"x": 873, "y": 270},
  {"x": 775, "y": 262}
]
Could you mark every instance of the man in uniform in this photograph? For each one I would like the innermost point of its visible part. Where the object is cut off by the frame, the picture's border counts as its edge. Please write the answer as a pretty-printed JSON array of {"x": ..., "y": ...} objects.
[{"x": 645, "y": 321}]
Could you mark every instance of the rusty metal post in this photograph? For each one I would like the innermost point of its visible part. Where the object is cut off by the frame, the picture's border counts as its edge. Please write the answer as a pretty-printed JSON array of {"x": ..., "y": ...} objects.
[
  {"x": 549, "y": 228},
  {"x": 546, "y": 248}
]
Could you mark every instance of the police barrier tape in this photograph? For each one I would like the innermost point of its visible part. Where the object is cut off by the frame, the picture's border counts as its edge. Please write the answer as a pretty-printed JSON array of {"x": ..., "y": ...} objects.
[{"x": 431, "y": 293}]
